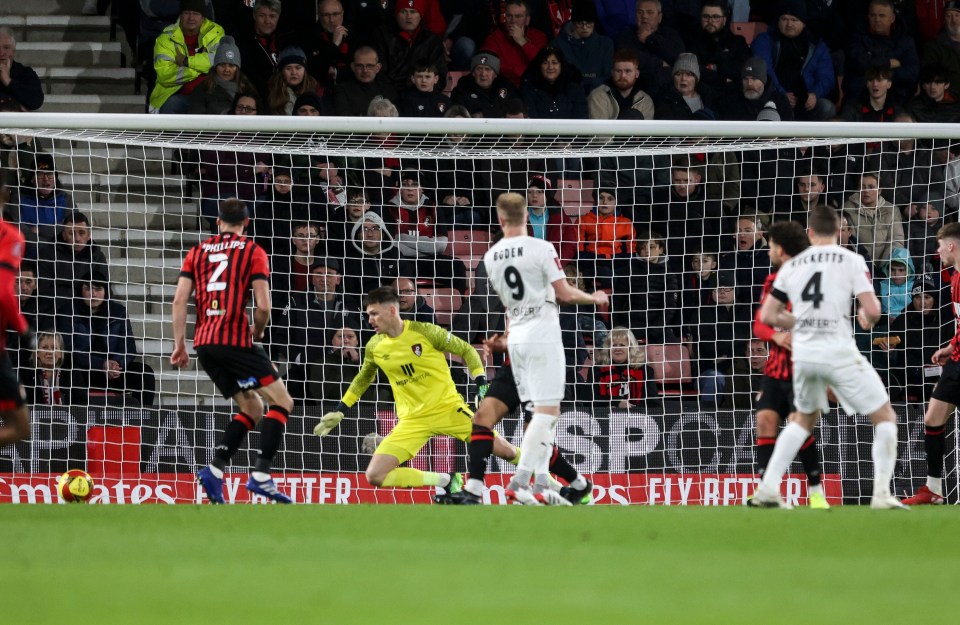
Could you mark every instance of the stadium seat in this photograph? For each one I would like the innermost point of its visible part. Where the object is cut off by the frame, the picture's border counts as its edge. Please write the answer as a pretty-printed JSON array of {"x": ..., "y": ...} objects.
[
  {"x": 671, "y": 368},
  {"x": 444, "y": 302},
  {"x": 748, "y": 30},
  {"x": 468, "y": 245},
  {"x": 452, "y": 79}
]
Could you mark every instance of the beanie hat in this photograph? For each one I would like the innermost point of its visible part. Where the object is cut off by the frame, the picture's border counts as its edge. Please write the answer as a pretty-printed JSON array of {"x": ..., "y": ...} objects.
[
  {"x": 197, "y": 6},
  {"x": 796, "y": 8},
  {"x": 924, "y": 286},
  {"x": 952, "y": 5},
  {"x": 539, "y": 182},
  {"x": 755, "y": 67},
  {"x": 583, "y": 11},
  {"x": 417, "y": 5},
  {"x": 44, "y": 162},
  {"x": 227, "y": 52},
  {"x": 600, "y": 190},
  {"x": 487, "y": 58},
  {"x": 292, "y": 55},
  {"x": 687, "y": 62},
  {"x": 768, "y": 113},
  {"x": 308, "y": 97}
]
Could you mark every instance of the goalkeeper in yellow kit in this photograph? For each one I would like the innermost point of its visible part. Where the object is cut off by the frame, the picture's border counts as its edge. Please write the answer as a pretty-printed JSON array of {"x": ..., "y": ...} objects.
[{"x": 412, "y": 354}]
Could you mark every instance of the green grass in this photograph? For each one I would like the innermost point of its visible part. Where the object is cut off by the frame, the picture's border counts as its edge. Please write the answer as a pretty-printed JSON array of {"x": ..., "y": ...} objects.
[{"x": 431, "y": 564}]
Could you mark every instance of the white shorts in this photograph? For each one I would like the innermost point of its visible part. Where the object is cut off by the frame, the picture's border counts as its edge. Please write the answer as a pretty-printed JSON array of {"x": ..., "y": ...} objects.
[
  {"x": 855, "y": 383},
  {"x": 539, "y": 370}
]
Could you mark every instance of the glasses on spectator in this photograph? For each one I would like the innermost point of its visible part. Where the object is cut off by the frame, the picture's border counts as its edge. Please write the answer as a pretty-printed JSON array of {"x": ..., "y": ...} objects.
[
  {"x": 330, "y": 16},
  {"x": 709, "y": 17},
  {"x": 584, "y": 23},
  {"x": 368, "y": 66},
  {"x": 371, "y": 229},
  {"x": 357, "y": 201},
  {"x": 408, "y": 292},
  {"x": 243, "y": 108}
]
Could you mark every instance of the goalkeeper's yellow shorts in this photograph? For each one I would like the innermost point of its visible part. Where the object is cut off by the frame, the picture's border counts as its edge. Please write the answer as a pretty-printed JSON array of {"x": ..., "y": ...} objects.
[{"x": 410, "y": 434}]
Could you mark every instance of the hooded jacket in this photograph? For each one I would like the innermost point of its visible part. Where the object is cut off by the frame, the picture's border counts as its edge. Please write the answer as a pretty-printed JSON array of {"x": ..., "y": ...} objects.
[
  {"x": 366, "y": 271},
  {"x": 172, "y": 77},
  {"x": 894, "y": 298},
  {"x": 817, "y": 71},
  {"x": 606, "y": 236},
  {"x": 879, "y": 230}
]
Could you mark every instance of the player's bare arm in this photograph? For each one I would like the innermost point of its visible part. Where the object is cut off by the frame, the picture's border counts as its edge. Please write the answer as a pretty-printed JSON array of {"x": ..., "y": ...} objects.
[
  {"x": 181, "y": 298},
  {"x": 774, "y": 313},
  {"x": 869, "y": 311},
  {"x": 567, "y": 294},
  {"x": 496, "y": 343},
  {"x": 942, "y": 355},
  {"x": 261, "y": 311}
]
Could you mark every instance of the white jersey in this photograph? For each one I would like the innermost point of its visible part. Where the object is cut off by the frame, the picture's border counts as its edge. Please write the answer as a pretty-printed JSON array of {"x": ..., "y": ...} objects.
[
  {"x": 522, "y": 271},
  {"x": 820, "y": 283}
]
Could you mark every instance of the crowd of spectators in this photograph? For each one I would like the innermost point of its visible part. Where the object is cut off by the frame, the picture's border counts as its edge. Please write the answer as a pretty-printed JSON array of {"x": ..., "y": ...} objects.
[{"x": 678, "y": 240}]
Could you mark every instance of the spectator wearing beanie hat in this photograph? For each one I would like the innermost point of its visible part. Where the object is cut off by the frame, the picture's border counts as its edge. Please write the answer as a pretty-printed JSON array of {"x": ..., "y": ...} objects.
[
  {"x": 43, "y": 204},
  {"x": 404, "y": 42},
  {"x": 290, "y": 81},
  {"x": 604, "y": 238},
  {"x": 584, "y": 48},
  {"x": 183, "y": 55},
  {"x": 799, "y": 63},
  {"x": 755, "y": 95},
  {"x": 217, "y": 92},
  {"x": 942, "y": 48},
  {"x": 483, "y": 91},
  {"x": 913, "y": 338},
  {"x": 261, "y": 39},
  {"x": 686, "y": 98},
  {"x": 366, "y": 18},
  {"x": 549, "y": 222}
]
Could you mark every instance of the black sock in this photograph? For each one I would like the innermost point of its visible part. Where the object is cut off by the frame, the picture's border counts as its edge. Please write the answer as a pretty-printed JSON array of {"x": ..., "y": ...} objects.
[
  {"x": 560, "y": 467},
  {"x": 479, "y": 450},
  {"x": 271, "y": 435},
  {"x": 230, "y": 440},
  {"x": 933, "y": 441},
  {"x": 764, "y": 453},
  {"x": 810, "y": 460}
]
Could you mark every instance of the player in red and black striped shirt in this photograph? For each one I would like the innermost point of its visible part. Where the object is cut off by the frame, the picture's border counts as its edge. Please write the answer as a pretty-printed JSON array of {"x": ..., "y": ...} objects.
[
  {"x": 774, "y": 402},
  {"x": 13, "y": 409},
  {"x": 946, "y": 394},
  {"x": 222, "y": 271}
]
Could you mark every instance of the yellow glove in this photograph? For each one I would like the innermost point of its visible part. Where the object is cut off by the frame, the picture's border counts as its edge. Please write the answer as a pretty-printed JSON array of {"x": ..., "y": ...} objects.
[{"x": 328, "y": 422}]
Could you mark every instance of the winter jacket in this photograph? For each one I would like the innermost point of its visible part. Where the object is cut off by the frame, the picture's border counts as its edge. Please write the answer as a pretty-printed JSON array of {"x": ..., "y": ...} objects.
[
  {"x": 670, "y": 104},
  {"x": 817, "y": 69},
  {"x": 866, "y": 50},
  {"x": 593, "y": 56},
  {"x": 562, "y": 99},
  {"x": 946, "y": 111},
  {"x": 25, "y": 87},
  {"x": 486, "y": 102},
  {"x": 514, "y": 58},
  {"x": 657, "y": 54},
  {"x": 647, "y": 300},
  {"x": 736, "y": 107},
  {"x": 261, "y": 55},
  {"x": 352, "y": 98},
  {"x": 721, "y": 57},
  {"x": 68, "y": 387},
  {"x": 416, "y": 103},
  {"x": 399, "y": 51},
  {"x": 44, "y": 211},
  {"x": 97, "y": 336},
  {"x": 304, "y": 324},
  {"x": 945, "y": 52},
  {"x": 879, "y": 230},
  {"x": 894, "y": 298},
  {"x": 750, "y": 268},
  {"x": 603, "y": 104},
  {"x": 225, "y": 174},
  {"x": 57, "y": 272},
  {"x": 687, "y": 223},
  {"x": 605, "y": 236},
  {"x": 172, "y": 77}
]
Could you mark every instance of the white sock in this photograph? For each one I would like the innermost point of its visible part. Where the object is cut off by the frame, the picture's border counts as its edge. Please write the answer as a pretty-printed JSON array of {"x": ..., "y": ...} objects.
[
  {"x": 580, "y": 483},
  {"x": 935, "y": 484},
  {"x": 815, "y": 489},
  {"x": 443, "y": 480},
  {"x": 788, "y": 444},
  {"x": 536, "y": 447},
  {"x": 217, "y": 473},
  {"x": 260, "y": 476},
  {"x": 474, "y": 486},
  {"x": 884, "y": 457}
]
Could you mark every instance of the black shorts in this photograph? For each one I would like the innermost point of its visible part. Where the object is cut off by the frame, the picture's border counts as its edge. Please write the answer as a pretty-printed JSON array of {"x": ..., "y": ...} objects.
[
  {"x": 776, "y": 395},
  {"x": 504, "y": 388},
  {"x": 948, "y": 386},
  {"x": 11, "y": 393},
  {"x": 235, "y": 369}
]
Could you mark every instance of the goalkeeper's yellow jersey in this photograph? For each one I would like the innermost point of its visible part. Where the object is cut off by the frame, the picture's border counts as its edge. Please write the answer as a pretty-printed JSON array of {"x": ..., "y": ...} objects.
[{"x": 415, "y": 363}]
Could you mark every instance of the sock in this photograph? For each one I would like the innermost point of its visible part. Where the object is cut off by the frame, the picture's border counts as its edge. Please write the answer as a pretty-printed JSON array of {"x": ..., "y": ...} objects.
[
  {"x": 230, "y": 441},
  {"x": 541, "y": 474},
  {"x": 479, "y": 451},
  {"x": 580, "y": 483},
  {"x": 934, "y": 438},
  {"x": 535, "y": 448},
  {"x": 217, "y": 471},
  {"x": 271, "y": 435},
  {"x": 810, "y": 460},
  {"x": 443, "y": 480},
  {"x": 884, "y": 457},
  {"x": 560, "y": 467},
  {"x": 474, "y": 487},
  {"x": 814, "y": 488},
  {"x": 935, "y": 484},
  {"x": 788, "y": 444},
  {"x": 764, "y": 451},
  {"x": 404, "y": 477}
]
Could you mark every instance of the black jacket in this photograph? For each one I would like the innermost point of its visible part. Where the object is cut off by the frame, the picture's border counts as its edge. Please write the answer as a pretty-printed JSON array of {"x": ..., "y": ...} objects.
[
  {"x": 487, "y": 102},
  {"x": 25, "y": 87},
  {"x": 646, "y": 300}
]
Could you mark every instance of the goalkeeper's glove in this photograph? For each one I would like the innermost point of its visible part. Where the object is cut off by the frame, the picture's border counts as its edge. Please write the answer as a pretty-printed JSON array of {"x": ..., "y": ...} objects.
[
  {"x": 330, "y": 421},
  {"x": 482, "y": 386}
]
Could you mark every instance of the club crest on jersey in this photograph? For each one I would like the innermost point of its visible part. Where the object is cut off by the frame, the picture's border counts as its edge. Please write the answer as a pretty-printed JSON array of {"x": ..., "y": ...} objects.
[{"x": 417, "y": 349}]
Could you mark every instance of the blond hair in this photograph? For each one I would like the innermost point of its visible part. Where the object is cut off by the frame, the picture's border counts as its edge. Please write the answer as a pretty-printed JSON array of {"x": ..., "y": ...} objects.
[
  {"x": 58, "y": 345},
  {"x": 511, "y": 208},
  {"x": 635, "y": 355}
]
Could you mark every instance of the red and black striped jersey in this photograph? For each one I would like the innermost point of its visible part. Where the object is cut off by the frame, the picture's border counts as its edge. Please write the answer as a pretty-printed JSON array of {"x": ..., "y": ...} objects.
[
  {"x": 955, "y": 304},
  {"x": 779, "y": 362},
  {"x": 11, "y": 253},
  {"x": 223, "y": 269}
]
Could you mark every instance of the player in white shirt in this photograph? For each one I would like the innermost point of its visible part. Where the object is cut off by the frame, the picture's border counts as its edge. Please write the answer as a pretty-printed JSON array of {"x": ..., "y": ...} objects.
[
  {"x": 819, "y": 283},
  {"x": 526, "y": 274}
]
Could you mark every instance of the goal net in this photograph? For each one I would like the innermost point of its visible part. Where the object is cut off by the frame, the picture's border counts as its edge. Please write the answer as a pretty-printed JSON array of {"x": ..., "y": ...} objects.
[{"x": 669, "y": 218}]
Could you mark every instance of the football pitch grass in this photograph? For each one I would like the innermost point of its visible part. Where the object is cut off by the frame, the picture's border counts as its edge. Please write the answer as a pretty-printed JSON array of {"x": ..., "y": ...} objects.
[{"x": 435, "y": 564}]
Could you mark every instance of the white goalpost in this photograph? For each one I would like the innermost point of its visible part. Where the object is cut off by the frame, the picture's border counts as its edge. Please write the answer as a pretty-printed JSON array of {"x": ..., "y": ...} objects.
[{"x": 668, "y": 217}]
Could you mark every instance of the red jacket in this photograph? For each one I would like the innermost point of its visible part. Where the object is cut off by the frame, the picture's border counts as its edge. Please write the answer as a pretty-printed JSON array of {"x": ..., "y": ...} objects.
[{"x": 514, "y": 58}]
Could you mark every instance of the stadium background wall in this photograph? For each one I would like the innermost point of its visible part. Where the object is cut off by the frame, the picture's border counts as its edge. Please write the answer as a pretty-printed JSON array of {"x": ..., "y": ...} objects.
[{"x": 676, "y": 455}]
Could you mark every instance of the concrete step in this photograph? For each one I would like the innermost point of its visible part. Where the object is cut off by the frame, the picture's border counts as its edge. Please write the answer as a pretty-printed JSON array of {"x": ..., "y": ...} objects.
[
  {"x": 112, "y": 159},
  {"x": 88, "y": 80},
  {"x": 126, "y": 188},
  {"x": 42, "y": 54},
  {"x": 157, "y": 326},
  {"x": 39, "y": 28},
  {"x": 147, "y": 294},
  {"x": 42, "y": 7},
  {"x": 185, "y": 383},
  {"x": 166, "y": 215},
  {"x": 143, "y": 271},
  {"x": 112, "y": 104}
]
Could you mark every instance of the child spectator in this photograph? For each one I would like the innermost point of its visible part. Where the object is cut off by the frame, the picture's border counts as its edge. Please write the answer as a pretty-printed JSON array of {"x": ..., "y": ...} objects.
[
  {"x": 924, "y": 219},
  {"x": 424, "y": 98},
  {"x": 621, "y": 377},
  {"x": 700, "y": 279},
  {"x": 52, "y": 380},
  {"x": 343, "y": 219},
  {"x": 604, "y": 237},
  {"x": 894, "y": 290},
  {"x": 921, "y": 330},
  {"x": 414, "y": 219},
  {"x": 588, "y": 323},
  {"x": 291, "y": 272},
  {"x": 290, "y": 81},
  {"x": 550, "y": 223},
  {"x": 646, "y": 296},
  {"x": 748, "y": 374},
  {"x": 44, "y": 204},
  {"x": 98, "y": 333}
]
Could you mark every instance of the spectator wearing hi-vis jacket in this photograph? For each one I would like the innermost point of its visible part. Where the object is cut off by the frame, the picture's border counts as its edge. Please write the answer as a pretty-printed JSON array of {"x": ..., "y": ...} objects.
[
  {"x": 605, "y": 239},
  {"x": 182, "y": 56}
]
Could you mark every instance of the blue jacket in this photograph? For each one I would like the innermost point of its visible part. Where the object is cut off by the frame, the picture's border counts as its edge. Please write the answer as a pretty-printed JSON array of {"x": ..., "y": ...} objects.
[
  {"x": 894, "y": 298},
  {"x": 817, "y": 70},
  {"x": 48, "y": 211},
  {"x": 94, "y": 338},
  {"x": 593, "y": 56}
]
